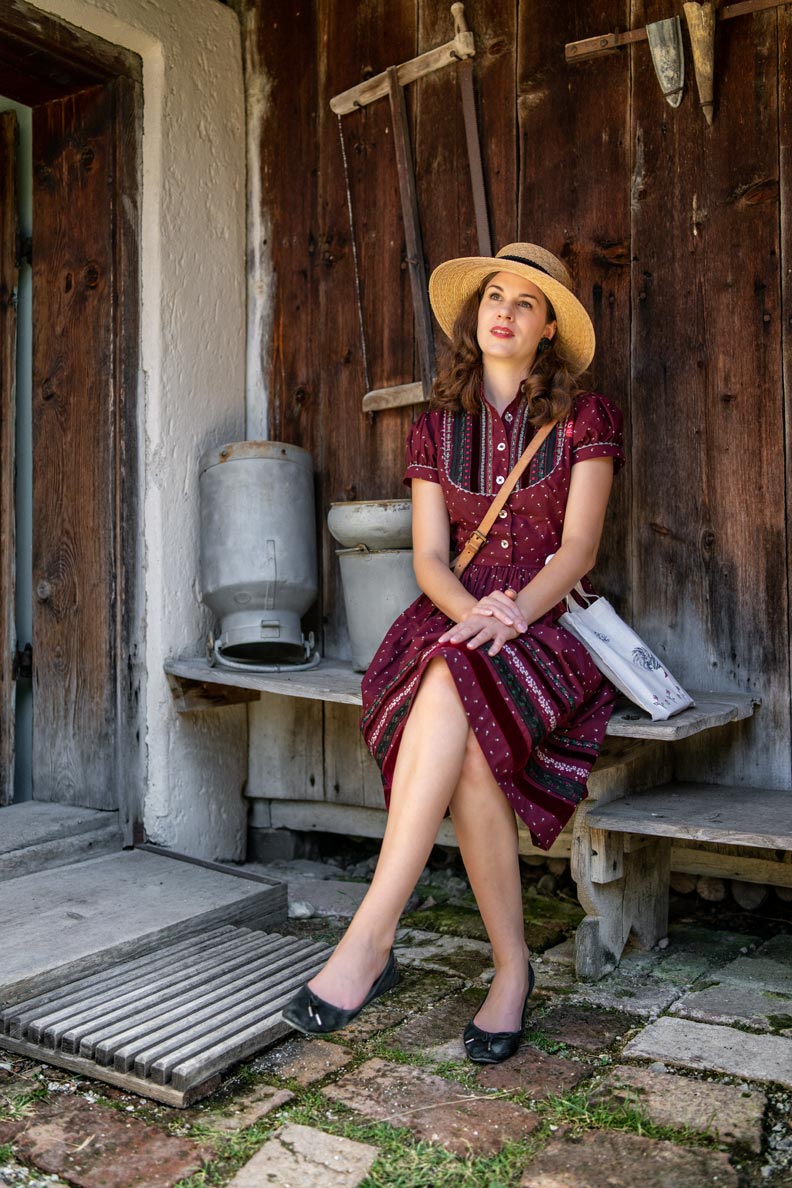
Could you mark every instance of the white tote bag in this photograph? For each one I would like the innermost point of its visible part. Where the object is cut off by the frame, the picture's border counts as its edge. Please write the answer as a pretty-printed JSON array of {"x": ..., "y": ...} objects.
[{"x": 623, "y": 656}]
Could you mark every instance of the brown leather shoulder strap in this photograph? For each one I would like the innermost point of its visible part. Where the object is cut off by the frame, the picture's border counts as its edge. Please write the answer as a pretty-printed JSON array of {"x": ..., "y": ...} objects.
[{"x": 478, "y": 537}]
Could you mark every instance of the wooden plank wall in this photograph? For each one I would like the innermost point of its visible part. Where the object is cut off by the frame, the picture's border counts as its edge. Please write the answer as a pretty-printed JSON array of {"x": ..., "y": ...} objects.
[
  {"x": 708, "y": 539},
  {"x": 785, "y": 199},
  {"x": 9, "y": 279},
  {"x": 671, "y": 230}
]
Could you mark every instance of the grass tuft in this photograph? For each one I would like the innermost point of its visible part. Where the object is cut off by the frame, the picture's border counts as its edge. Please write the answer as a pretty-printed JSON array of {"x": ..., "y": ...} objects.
[
  {"x": 20, "y": 1105},
  {"x": 579, "y": 1111}
]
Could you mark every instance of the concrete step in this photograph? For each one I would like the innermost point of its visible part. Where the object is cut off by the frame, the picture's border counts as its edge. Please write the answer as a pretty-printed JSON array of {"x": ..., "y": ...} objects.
[
  {"x": 36, "y": 821},
  {"x": 36, "y": 835},
  {"x": 88, "y": 915}
]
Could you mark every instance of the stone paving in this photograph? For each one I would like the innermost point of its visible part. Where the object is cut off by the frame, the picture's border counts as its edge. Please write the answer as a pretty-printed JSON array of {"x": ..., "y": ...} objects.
[
  {"x": 710, "y": 1047},
  {"x": 603, "y": 1159},
  {"x": 432, "y": 1107},
  {"x": 303, "y": 1157},
  {"x": 93, "y": 1146},
  {"x": 673, "y": 1072},
  {"x": 732, "y": 1113}
]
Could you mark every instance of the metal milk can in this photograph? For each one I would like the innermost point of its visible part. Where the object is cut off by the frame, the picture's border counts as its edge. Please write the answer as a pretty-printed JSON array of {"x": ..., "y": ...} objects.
[{"x": 258, "y": 552}]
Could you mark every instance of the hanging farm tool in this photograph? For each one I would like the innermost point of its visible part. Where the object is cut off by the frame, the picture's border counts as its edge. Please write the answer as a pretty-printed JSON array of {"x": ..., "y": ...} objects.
[
  {"x": 668, "y": 58},
  {"x": 701, "y": 20},
  {"x": 701, "y": 27},
  {"x": 392, "y": 82}
]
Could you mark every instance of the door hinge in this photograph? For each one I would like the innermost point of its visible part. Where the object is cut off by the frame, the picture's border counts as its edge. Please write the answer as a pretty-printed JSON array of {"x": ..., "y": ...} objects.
[{"x": 22, "y": 663}]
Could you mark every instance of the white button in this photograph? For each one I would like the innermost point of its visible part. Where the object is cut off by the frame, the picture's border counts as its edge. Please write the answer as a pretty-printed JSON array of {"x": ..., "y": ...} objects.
[
  {"x": 504, "y": 544},
  {"x": 507, "y": 417},
  {"x": 503, "y": 514},
  {"x": 500, "y": 480},
  {"x": 501, "y": 445}
]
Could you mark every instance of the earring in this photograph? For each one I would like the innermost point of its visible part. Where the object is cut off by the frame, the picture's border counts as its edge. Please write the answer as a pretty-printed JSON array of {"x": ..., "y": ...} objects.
[{"x": 543, "y": 345}]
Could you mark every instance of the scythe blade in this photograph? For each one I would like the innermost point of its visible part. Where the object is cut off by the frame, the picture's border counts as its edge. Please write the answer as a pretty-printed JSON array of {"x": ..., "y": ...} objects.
[{"x": 668, "y": 57}]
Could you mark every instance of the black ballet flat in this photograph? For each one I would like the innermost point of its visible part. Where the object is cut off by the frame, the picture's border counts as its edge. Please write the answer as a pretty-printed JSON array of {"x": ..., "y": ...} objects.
[
  {"x": 491, "y": 1047},
  {"x": 313, "y": 1016}
]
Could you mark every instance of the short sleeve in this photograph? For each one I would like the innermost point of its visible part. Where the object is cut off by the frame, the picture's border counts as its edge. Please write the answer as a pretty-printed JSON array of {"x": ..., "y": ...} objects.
[
  {"x": 422, "y": 450},
  {"x": 597, "y": 430}
]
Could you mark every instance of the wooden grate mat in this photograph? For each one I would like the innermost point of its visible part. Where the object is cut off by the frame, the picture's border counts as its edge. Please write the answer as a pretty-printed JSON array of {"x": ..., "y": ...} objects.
[{"x": 167, "y": 1024}]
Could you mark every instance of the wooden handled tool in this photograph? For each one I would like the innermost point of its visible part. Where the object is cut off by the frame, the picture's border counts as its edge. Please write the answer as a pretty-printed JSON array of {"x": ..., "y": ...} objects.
[{"x": 391, "y": 82}]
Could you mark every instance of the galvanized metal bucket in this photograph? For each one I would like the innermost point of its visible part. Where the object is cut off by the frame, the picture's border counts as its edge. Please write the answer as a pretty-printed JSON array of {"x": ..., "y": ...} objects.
[
  {"x": 378, "y": 585},
  {"x": 258, "y": 552}
]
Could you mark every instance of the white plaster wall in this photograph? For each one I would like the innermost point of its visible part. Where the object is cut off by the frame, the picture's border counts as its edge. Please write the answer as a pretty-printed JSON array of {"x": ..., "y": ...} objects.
[{"x": 193, "y": 366}]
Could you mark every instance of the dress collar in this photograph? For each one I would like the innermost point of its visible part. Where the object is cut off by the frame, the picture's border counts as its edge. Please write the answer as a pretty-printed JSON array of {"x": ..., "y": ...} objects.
[{"x": 510, "y": 411}]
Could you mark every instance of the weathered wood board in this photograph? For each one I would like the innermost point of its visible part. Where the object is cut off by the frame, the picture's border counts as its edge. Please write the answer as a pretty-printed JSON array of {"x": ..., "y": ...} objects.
[
  {"x": 74, "y": 544},
  {"x": 164, "y": 1024},
  {"x": 43, "y": 57},
  {"x": 708, "y": 532},
  {"x": 362, "y": 455},
  {"x": 334, "y": 682},
  {"x": 785, "y": 210},
  {"x": 351, "y": 775},
  {"x": 736, "y": 816},
  {"x": 9, "y": 273},
  {"x": 286, "y": 748},
  {"x": 574, "y": 197}
]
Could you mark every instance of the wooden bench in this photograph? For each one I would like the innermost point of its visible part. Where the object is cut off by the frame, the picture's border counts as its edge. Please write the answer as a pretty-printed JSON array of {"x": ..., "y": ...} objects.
[
  {"x": 621, "y": 866},
  {"x": 622, "y": 856}
]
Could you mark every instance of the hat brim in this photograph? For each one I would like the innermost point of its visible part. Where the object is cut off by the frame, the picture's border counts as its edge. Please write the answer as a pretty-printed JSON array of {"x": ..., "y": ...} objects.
[{"x": 453, "y": 282}]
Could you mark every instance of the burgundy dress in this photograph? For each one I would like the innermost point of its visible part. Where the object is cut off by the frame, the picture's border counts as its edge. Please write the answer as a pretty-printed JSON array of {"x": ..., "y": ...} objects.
[{"x": 538, "y": 708}]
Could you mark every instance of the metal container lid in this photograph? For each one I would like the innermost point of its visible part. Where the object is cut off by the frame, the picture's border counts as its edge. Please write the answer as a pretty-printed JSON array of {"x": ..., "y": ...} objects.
[{"x": 279, "y": 451}]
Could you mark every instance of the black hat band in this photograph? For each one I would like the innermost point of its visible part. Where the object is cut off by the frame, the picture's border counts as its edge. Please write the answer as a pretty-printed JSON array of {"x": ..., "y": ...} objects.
[{"x": 530, "y": 263}]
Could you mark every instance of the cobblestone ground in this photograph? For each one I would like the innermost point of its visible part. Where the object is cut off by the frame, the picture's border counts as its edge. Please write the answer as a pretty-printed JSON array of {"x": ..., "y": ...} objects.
[{"x": 674, "y": 1072}]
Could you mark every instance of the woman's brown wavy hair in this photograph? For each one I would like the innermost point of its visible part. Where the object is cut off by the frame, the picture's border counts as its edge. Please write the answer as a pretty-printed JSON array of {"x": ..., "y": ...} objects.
[{"x": 549, "y": 389}]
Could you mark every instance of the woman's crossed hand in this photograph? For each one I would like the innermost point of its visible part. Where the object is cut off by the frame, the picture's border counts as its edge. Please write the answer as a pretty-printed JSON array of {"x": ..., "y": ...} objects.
[{"x": 495, "y": 619}]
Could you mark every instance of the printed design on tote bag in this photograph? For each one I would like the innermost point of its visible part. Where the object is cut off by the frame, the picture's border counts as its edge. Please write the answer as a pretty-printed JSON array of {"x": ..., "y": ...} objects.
[{"x": 646, "y": 659}]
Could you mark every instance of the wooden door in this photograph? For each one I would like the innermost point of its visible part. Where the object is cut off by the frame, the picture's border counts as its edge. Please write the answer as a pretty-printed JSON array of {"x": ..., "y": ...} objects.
[
  {"x": 8, "y": 293},
  {"x": 87, "y": 101},
  {"x": 74, "y": 436}
]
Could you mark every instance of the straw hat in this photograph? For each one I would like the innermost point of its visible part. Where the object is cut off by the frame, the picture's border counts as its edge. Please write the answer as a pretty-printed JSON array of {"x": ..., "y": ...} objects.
[{"x": 453, "y": 282}]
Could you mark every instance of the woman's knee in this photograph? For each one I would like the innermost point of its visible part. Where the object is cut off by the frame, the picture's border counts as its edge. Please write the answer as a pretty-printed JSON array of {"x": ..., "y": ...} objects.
[
  {"x": 437, "y": 681},
  {"x": 438, "y": 672},
  {"x": 475, "y": 766},
  {"x": 476, "y": 780}
]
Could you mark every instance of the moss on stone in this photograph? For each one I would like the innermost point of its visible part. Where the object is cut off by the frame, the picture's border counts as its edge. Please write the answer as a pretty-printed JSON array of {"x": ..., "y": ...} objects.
[
  {"x": 448, "y": 920},
  {"x": 780, "y": 1022},
  {"x": 544, "y": 909},
  {"x": 547, "y": 920}
]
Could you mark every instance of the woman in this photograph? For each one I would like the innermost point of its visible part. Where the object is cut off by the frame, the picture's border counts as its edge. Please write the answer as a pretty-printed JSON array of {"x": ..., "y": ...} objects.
[{"x": 477, "y": 703}]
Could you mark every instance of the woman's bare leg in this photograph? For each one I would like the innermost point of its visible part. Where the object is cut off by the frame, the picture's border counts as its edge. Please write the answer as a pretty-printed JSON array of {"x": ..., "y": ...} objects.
[
  {"x": 487, "y": 835},
  {"x": 428, "y": 767}
]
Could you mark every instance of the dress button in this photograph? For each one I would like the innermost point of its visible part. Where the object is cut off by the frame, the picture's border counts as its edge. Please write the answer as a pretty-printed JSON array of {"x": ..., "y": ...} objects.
[
  {"x": 504, "y": 544},
  {"x": 503, "y": 514},
  {"x": 500, "y": 480},
  {"x": 508, "y": 417},
  {"x": 501, "y": 445}
]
